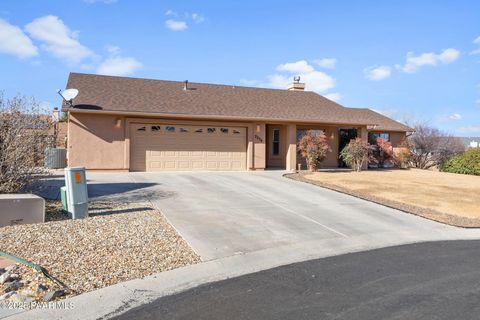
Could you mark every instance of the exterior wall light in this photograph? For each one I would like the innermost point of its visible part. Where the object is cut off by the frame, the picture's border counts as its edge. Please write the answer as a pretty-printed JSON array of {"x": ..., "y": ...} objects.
[{"x": 118, "y": 123}]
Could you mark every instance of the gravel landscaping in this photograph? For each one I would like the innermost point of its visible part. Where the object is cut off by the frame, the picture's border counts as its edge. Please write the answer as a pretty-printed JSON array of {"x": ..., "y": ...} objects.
[
  {"x": 444, "y": 197},
  {"x": 118, "y": 242}
]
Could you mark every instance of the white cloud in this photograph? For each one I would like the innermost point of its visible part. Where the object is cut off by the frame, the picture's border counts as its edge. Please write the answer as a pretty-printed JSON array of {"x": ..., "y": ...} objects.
[
  {"x": 197, "y": 18},
  {"x": 58, "y": 39},
  {"x": 115, "y": 65},
  {"x": 477, "y": 51},
  {"x": 449, "y": 118},
  {"x": 469, "y": 129},
  {"x": 13, "y": 41},
  {"x": 314, "y": 80},
  {"x": 327, "y": 63},
  {"x": 118, "y": 66},
  {"x": 377, "y": 73},
  {"x": 113, "y": 50},
  {"x": 170, "y": 12},
  {"x": 301, "y": 66},
  {"x": 334, "y": 96},
  {"x": 176, "y": 25},
  {"x": 414, "y": 63}
]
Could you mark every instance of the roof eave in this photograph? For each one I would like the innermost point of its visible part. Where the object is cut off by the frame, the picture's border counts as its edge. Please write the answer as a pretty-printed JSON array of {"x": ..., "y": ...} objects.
[{"x": 213, "y": 117}]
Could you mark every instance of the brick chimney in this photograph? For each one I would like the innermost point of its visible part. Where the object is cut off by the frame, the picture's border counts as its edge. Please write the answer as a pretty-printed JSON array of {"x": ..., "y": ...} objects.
[{"x": 296, "y": 85}]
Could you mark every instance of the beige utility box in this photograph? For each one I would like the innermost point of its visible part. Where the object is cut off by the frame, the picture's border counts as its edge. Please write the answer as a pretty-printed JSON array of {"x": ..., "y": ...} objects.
[{"x": 21, "y": 209}]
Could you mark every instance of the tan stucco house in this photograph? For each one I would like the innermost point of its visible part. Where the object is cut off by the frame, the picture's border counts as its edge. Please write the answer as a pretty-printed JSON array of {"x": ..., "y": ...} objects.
[{"x": 130, "y": 124}]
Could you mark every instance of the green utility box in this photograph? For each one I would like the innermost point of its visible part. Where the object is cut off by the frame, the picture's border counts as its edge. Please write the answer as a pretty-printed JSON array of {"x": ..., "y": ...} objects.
[{"x": 63, "y": 198}]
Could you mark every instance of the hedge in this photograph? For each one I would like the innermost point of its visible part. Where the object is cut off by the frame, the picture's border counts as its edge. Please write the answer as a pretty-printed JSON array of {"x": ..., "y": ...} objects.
[{"x": 465, "y": 163}]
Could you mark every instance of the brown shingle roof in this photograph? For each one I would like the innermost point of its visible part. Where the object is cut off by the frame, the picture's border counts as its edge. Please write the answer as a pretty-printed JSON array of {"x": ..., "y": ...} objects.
[
  {"x": 380, "y": 121},
  {"x": 122, "y": 94}
]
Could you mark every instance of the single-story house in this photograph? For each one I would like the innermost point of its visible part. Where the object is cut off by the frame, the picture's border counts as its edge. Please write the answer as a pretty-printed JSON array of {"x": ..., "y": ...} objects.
[{"x": 131, "y": 124}]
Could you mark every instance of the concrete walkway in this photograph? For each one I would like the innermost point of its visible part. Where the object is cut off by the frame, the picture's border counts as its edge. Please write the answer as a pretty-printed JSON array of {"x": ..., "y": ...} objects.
[{"x": 245, "y": 222}]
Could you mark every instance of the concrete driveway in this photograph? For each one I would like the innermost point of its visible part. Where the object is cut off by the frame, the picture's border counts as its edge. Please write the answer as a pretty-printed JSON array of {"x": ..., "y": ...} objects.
[{"x": 224, "y": 214}]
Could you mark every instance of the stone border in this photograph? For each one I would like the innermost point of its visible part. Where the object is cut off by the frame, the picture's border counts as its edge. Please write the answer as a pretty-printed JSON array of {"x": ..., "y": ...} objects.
[{"x": 430, "y": 214}]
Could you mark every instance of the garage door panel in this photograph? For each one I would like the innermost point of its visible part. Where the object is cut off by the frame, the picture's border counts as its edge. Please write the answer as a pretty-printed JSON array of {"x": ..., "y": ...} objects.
[{"x": 172, "y": 147}]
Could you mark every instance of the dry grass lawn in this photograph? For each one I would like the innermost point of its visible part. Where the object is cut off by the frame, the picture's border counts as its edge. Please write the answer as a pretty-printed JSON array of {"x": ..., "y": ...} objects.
[{"x": 447, "y": 193}]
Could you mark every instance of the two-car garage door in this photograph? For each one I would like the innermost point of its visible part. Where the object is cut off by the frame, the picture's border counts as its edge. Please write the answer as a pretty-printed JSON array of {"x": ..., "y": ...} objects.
[{"x": 166, "y": 147}]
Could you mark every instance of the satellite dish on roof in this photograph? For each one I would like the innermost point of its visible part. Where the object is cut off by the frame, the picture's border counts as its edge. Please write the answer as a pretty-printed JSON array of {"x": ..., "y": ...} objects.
[{"x": 68, "y": 95}]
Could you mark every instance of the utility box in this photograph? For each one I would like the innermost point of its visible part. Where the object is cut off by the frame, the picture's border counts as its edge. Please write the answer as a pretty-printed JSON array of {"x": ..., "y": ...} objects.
[
  {"x": 63, "y": 198},
  {"x": 21, "y": 209},
  {"x": 77, "y": 194}
]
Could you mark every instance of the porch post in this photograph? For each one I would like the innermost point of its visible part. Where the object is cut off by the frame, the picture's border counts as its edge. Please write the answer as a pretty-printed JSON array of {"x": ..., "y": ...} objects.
[
  {"x": 259, "y": 150},
  {"x": 291, "y": 147}
]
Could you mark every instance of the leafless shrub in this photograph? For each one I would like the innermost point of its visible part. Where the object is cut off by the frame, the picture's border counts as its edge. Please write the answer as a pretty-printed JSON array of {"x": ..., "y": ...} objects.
[
  {"x": 25, "y": 132},
  {"x": 430, "y": 147}
]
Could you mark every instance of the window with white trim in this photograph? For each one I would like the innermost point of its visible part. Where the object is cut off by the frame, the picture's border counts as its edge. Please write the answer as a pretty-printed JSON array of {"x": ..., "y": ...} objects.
[{"x": 275, "y": 142}]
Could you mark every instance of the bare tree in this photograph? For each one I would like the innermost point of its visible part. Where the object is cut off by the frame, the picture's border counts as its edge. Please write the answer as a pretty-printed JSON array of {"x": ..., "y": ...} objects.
[
  {"x": 431, "y": 147},
  {"x": 25, "y": 132}
]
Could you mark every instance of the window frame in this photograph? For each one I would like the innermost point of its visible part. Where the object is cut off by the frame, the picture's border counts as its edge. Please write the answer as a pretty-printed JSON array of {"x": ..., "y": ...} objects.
[{"x": 275, "y": 142}]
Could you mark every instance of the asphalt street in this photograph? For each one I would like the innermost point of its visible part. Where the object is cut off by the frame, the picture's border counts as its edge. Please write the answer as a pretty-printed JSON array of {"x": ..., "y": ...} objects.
[{"x": 435, "y": 280}]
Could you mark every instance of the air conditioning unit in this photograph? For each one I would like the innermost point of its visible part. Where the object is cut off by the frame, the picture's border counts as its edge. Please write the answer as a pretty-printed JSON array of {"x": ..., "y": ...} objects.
[{"x": 21, "y": 209}]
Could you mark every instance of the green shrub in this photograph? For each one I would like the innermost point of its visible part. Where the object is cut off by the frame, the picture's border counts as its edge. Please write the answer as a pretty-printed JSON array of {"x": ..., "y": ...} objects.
[{"x": 465, "y": 163}]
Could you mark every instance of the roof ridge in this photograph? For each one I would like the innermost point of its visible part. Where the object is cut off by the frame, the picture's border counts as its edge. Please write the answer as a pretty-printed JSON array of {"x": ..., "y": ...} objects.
[{"x": 191, "y": 82}]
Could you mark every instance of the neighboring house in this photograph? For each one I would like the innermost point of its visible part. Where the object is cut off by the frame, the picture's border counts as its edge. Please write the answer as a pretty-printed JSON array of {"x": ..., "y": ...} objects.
[
  {"x": 130, "y": 124},
  {"x": 471, "y": 142}
]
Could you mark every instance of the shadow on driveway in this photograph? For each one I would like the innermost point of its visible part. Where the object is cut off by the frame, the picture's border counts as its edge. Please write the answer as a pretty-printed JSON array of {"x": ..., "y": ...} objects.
[{"x": 126, "y": 192}]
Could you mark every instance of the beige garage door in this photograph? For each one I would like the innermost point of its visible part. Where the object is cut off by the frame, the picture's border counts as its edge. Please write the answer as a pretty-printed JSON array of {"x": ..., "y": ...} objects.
[{"x": 163, "y": 147}]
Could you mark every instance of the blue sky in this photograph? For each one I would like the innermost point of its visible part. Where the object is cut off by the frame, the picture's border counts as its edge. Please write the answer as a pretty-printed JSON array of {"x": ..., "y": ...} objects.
[{"x": 411, "y": 60}]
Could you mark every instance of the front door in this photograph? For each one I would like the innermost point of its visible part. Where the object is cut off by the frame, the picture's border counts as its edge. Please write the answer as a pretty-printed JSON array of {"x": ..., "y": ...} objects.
[{"x": 345, "y": 135}]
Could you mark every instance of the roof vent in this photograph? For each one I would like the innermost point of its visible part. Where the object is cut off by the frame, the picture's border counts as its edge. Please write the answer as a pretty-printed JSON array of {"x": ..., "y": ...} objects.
[{"x": 185, "y": 87}]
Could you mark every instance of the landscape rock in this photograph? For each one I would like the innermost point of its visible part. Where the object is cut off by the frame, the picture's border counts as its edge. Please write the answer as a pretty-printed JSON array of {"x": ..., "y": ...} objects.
[
  {"x": 13, "y": 286},
  {"x": 5, "y": 277},
  {"x": 7, "y": 295},
  {"x": 50, "y": 295},
  {"x": 14, "y": 276},
  {"x": 20, "y": 298},
  {"x": 11, "y": 268},
  {"x": 41, "y": 288}
]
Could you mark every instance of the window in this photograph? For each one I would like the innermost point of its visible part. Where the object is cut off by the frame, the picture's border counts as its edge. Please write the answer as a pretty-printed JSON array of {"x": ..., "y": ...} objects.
[
  {"x": 142, "y": 129},
  {"x": 276, "y": 142},
  {"x": 183, "y": 130},
  {"x": 199, "y": 130},
  {"x": 212, "y": 130},
  {"x": 156, "y": 128},
  {"x": 170, "y": 128},
  {"x": 224, "y": 130},
  {"x": 372, "y": 137}
]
